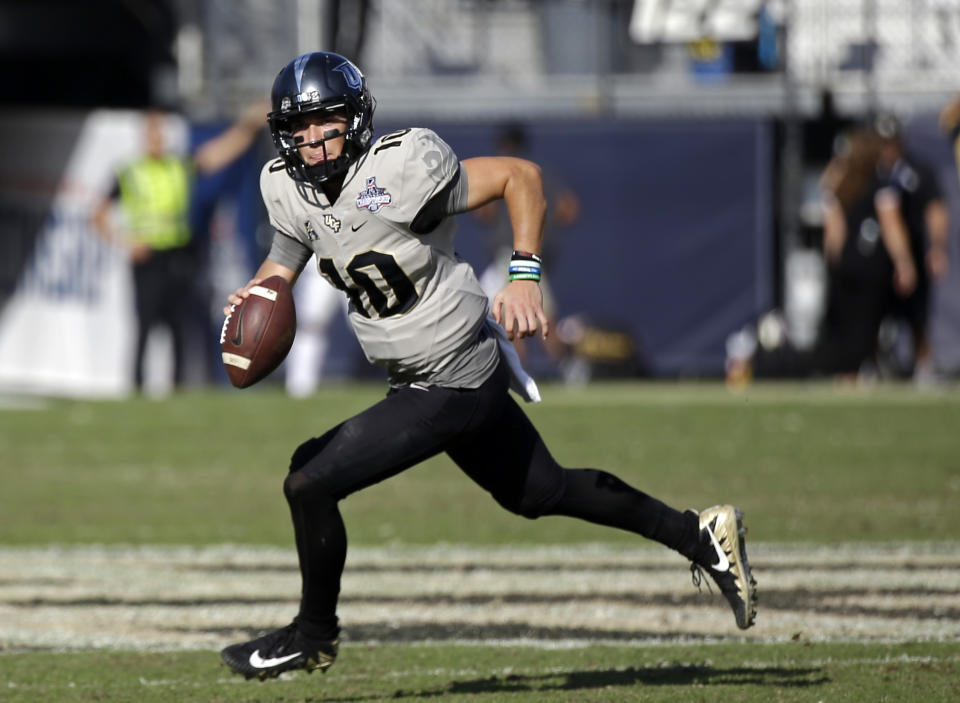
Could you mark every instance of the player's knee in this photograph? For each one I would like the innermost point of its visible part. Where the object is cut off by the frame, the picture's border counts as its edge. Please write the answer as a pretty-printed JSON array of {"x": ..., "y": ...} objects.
[
  {"x": 300, "y": 487},
  {"x": 529, "y": 511},
  {"x": 525, "y": 508},
  {"x": 304, "y": 453},
  {"x": 307, "y": 478},
  {"x": 538, "y": 498},
  {"x": 294, "y": 486}
]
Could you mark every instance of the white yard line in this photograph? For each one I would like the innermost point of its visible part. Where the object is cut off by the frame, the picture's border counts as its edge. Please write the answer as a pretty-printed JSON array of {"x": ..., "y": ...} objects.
[{"x": 179, "y": 597}]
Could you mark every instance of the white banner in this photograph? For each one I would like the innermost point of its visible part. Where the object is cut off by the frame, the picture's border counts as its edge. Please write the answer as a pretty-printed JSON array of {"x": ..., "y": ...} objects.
[{"x": 68, "y": 329}]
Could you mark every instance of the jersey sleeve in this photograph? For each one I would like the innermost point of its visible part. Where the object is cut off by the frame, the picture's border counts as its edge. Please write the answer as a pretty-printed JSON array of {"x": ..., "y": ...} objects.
[
  {"x": 286, "y": 248},
  {"x": 271, "y": 180},
  {"x": 420, "y": 167},
  {"x": 289, "y": 252},
  {"x": 451, "y": 200}
]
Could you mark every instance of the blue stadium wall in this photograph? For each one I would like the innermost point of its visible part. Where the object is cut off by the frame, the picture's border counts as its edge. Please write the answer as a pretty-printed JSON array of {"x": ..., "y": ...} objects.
[
  {"x": 673, "y": 244},
  {"x": 676, "y": 238}
]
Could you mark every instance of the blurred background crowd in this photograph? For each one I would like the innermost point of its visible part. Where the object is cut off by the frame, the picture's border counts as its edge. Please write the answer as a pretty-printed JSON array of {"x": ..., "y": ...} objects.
[{"x": 737, "y": 189}]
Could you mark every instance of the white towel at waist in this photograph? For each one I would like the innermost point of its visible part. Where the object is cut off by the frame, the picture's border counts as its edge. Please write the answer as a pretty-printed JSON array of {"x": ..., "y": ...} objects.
[{"x": 520, "y": 381}]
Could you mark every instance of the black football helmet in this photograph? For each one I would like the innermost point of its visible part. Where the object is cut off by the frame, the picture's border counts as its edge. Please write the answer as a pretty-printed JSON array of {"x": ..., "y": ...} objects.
[{"x": 313, "y": 82}]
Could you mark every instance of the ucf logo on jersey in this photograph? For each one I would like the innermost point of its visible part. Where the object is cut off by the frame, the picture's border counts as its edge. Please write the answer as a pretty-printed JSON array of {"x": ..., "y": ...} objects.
[{"x": 331, "y": 222}]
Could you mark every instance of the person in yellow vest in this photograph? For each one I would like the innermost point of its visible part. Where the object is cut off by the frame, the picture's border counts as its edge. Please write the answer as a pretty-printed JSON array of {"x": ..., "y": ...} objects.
[{"x": 154, "y": 194}]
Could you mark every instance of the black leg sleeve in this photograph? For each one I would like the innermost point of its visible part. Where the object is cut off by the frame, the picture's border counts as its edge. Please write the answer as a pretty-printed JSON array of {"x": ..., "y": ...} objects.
[
  {"x": 602, "y": 498},
  {"x": 322, "y": 550}
]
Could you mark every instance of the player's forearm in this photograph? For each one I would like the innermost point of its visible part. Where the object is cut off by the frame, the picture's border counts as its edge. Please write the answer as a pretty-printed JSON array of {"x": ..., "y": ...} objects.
[
  {"x": 269, "y": 267},
  {"x": 527, "y": 206},
  {"x": 519, "y": 183}
]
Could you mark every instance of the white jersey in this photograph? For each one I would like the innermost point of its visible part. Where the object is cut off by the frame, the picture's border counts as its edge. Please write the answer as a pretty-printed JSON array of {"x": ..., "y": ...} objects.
[{"x": 416, "y": 308}]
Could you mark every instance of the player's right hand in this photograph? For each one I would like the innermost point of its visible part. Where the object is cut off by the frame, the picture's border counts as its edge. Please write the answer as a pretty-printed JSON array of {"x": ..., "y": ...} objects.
[{"x": 240, "y": 294}]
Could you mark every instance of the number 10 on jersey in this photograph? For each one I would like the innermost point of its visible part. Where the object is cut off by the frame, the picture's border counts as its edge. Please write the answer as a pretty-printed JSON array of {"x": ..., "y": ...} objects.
[{"x": 378, "y": 275}]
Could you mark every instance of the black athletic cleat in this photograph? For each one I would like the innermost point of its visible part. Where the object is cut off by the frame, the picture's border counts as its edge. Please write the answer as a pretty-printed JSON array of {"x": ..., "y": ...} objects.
[
  {"x": 722, "y": 537},
  {"x": 281, "y": 650}
]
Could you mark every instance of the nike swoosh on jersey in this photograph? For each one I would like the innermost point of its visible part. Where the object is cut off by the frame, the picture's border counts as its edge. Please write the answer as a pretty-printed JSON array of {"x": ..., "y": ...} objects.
[
  {"x": 354, "y": 228},
  {"x": 723, "y": 564},
  {"x": 258, "y": 663}
]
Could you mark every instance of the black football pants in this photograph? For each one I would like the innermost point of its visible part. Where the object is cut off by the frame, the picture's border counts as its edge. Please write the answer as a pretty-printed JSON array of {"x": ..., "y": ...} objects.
[{"x": 490, "y": 438}]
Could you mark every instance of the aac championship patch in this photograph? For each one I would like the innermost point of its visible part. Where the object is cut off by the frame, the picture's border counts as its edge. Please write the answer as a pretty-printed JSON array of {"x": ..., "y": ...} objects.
[{"x": 373, "y": 197}]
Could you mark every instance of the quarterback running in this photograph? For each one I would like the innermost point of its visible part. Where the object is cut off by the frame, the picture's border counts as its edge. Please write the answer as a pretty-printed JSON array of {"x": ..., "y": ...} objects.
[{"x": 377, "y": 217}]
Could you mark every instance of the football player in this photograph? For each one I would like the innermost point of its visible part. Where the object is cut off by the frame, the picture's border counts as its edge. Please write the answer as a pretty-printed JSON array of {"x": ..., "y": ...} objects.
[{"x": 378, "y": 217}]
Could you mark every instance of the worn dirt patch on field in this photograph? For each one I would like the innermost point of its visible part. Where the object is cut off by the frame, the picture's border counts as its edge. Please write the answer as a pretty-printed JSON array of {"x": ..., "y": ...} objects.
[{"x": 175, "y": 598}]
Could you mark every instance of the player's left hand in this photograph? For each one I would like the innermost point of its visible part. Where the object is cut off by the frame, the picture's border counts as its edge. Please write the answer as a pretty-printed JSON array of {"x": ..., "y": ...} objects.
[{"x": 518, "y": 308}]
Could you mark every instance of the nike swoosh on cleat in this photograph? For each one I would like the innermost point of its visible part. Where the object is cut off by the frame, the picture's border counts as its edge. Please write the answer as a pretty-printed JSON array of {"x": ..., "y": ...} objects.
[
  {"x": 723, "y": 564},
  {"x": 258, "y": 663}
]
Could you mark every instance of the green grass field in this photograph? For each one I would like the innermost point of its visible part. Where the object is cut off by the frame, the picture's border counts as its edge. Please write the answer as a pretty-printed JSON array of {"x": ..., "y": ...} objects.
[
  {"x": 839, "y": 672},
  {"x": 451, "y": 597}
]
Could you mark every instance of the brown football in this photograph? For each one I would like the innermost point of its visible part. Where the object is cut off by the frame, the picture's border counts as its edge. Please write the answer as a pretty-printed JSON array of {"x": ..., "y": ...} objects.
[{"x": 258, "y": 333}]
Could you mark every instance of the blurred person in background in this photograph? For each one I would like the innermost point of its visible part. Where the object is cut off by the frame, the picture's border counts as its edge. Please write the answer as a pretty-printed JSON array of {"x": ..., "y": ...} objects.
[
  {"x": 866, "y": 247},
  {"x": 154, "y": 193},
  {"x": 563, "y": 210},
  {"x": 379, "y": 217},
  {"x": 927, "y": 220},
  {"x": 949, "y": 120}
]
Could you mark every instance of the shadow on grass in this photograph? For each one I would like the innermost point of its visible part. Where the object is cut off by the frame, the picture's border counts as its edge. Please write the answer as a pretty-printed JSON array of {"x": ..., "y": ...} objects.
[
  {"x": 661, "y": 676},
  {"x": 777, "y": 677}
]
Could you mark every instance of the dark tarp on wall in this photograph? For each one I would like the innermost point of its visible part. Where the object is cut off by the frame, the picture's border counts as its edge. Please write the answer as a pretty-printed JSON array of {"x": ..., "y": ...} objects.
[{"x": 674, "y": 240}]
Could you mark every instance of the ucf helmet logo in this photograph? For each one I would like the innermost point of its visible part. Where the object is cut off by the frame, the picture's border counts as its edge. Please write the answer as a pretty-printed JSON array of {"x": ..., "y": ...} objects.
[{"x": 351, "y": 74}]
